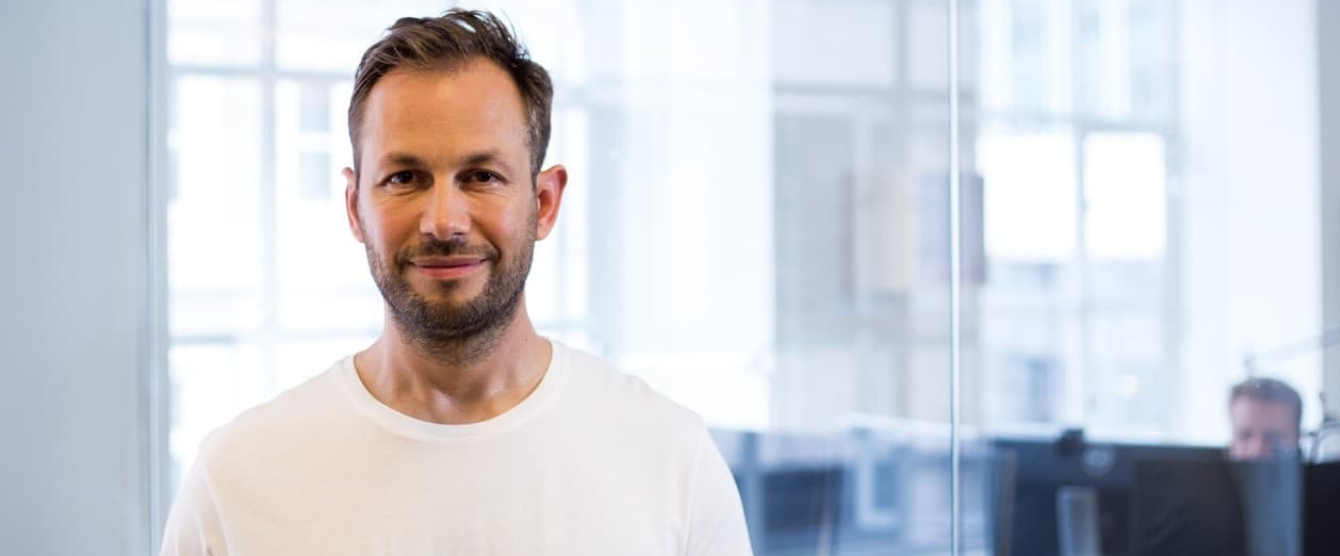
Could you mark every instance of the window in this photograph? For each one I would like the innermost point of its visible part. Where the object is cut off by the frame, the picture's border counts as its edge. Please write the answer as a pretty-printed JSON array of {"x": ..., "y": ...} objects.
[{"x": 1073, "y": 148}]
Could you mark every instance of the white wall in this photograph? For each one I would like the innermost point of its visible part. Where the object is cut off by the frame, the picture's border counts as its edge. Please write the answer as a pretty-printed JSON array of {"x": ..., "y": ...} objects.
[
  {"x": 1250, "y": 186},
  {"x": 72, "y": 293}
]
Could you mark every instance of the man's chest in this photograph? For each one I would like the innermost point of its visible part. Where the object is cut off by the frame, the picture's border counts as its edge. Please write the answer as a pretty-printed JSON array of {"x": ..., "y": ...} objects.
[{"x": 548, "y": 504}]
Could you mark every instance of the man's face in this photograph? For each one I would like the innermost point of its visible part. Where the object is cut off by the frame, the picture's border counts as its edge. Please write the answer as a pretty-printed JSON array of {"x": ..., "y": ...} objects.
[
  {"x": 444, "y": 201},
  {"x": 1261, "y": 429}
]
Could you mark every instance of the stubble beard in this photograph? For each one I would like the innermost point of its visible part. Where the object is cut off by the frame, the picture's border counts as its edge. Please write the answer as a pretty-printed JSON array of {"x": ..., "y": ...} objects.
[{"x": 451, "y": 332}]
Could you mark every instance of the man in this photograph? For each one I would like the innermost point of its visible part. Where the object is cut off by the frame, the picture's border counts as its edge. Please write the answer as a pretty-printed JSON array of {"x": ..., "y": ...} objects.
[
  {"x": 1266, "y": 415},
  {"x": 460, "y": 430}
]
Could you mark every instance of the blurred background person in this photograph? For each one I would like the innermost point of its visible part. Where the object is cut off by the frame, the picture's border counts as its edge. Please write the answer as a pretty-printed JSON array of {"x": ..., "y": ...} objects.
[{"x": 1266, "y": 417}]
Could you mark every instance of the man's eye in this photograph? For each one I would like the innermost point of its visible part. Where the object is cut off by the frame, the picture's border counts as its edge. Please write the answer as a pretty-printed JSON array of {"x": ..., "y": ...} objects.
[
  {"x": 401, "y": 178},
  {"x": 484, "y": 176}
]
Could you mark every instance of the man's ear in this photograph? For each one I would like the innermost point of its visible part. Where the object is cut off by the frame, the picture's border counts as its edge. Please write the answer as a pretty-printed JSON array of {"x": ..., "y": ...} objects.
[
  {"x": 549, "y": 186},
  {"x": 351, "y": 203}
]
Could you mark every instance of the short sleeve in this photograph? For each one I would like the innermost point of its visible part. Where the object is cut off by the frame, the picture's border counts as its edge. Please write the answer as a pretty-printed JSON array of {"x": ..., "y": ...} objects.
[
  {"x": 716, "y": 517},
  {"x": 193, "y": 527}
]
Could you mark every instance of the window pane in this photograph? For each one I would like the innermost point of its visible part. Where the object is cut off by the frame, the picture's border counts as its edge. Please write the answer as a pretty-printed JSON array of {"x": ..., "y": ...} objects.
[
  {"x": 1122, "y": 57},
  {"x": 1026, "y": 55},
  {"x": 1029, "y": 194},
  {"x": 214, "y": 220},
  {"x": 331, "y": 35},
  {"x": 298, "y": 360},
  {"x": 1125, "y": 192},
  {"x": 211, "y": 33},
  {"x": 323, "y": 284},
  {"x": 1128, "y": 354}
]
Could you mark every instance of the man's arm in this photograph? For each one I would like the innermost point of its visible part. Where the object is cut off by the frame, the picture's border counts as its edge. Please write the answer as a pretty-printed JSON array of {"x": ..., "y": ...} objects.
[{"x": 716, "y": 517}]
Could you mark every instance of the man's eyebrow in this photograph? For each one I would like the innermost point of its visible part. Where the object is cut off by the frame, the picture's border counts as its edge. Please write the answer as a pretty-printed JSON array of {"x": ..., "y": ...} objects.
[
  {"x": 403, "y": 159},
  {"x": 485, "y": 157},
  {"x": 400, "y": 159}
]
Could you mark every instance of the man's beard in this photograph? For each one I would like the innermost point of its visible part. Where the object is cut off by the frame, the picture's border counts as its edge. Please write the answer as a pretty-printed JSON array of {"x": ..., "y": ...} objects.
[{"x": 458, "y": 332}]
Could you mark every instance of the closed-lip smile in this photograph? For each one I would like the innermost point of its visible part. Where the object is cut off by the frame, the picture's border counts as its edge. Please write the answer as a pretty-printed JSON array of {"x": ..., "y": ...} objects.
[{"x": 447, "y": 268}]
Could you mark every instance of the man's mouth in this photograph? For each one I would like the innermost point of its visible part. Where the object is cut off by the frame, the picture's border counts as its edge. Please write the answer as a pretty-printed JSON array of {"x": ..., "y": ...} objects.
[{"x": 446, "y": 268}]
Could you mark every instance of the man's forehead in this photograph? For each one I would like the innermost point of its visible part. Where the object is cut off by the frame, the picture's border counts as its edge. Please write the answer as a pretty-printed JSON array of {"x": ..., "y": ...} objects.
[
  {"x": 471, "y": 108},
  {"x": 1257, "y": 406},
  {"x": 479, "y": 88}
]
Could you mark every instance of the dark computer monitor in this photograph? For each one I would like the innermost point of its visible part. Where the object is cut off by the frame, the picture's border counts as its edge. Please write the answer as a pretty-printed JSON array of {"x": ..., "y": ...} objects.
[
  {"x": 1321, "y": 509},
  {"x": 1187, "y": 508},
  {"x": 1230, "y": 508},
  {"x": 1032, "y": 472}
]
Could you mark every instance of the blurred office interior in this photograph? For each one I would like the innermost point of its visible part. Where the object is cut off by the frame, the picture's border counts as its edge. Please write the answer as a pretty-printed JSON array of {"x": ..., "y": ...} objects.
[{"x": 758, "y": 223}]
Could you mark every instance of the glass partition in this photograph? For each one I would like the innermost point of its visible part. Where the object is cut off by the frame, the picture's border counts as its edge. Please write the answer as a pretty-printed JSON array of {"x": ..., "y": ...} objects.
[
  {"x": 1150, "y": 321},
  {"x": 758, "y": 224}
]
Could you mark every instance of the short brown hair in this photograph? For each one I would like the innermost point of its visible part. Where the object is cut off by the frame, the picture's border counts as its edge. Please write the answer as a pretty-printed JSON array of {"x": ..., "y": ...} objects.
[
  {"x": 446, "y": 43},
  {"x": 1264, "y": 389}
]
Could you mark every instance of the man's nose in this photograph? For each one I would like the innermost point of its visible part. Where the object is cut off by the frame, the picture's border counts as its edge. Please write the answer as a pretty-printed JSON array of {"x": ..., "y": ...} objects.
[
  {"x": 1257, "y": 448},
  {"x": 446, "y": 213}
]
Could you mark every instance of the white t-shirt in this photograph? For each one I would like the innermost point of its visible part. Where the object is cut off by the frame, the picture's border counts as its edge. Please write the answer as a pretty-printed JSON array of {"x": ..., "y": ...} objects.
[{"x": 593, "y": 462}]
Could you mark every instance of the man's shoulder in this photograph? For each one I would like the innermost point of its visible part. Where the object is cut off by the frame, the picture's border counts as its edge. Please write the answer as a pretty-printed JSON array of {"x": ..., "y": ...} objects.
[
  {"x": 301, "y": 412},
  {"x": 600, "y": 386}
]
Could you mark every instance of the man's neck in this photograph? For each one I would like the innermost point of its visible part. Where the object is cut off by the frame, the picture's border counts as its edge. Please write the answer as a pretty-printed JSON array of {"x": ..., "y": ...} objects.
[{"x": 446, "y": 390}]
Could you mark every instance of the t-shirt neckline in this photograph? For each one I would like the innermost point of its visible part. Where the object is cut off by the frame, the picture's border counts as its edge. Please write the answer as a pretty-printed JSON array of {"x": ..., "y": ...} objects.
[{"x": 404, "y": 425}]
